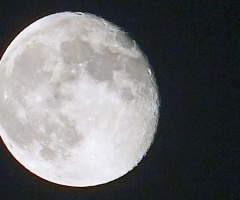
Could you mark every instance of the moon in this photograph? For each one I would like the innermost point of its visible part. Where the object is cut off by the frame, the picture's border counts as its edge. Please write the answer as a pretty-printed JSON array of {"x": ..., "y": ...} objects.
[{"x": 79, "y": 104}]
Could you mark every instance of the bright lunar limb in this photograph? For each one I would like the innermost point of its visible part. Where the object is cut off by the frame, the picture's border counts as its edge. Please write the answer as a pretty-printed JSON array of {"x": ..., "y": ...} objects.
[{"x": 78, "y": 100}]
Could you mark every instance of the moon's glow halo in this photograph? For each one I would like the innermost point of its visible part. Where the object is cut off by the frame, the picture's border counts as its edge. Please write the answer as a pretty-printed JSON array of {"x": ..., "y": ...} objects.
[{"x": 78, "y": 100}]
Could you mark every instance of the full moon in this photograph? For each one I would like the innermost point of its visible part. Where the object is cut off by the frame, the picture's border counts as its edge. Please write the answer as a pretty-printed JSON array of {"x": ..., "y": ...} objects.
[{"x": 79, "y": 104}]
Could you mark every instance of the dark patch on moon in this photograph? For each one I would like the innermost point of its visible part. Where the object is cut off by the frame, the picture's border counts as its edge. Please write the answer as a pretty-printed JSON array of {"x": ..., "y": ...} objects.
[
  {"x": 103, "y": 65},
  {"x": 76, "y": 51},
  {"x": 24, "y": 134},
  {"x": 124, "y": 40},
  {"x": 60, "y": 94},
  {"x": 70, "y": 73},
  {"x": 71, "y": 136},
  {"x": 99, "y": 65},
  {"x": 48, "y": 154},
  {"x": 137, "y": 69},
  {"x": 7, "y": 115},
  {"x": 28, "y": 63},
  {"x": 127, "y": 94}
]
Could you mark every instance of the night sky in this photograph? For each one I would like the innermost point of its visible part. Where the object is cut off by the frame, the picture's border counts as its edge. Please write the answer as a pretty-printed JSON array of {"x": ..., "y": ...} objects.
[{"x": 194, "y": 50}]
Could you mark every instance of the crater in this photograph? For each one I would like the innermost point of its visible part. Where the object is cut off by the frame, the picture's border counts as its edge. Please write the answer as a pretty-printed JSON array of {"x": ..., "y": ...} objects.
[{"x": 63, "y": 93}]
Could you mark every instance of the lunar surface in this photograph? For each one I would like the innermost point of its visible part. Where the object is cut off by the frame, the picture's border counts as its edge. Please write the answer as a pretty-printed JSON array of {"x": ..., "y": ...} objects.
[{"x": 78, "y": 100}]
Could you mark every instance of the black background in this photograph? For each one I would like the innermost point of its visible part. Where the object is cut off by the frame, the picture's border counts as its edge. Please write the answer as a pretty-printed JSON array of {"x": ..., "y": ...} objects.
[{"x": 193, "y": 47}]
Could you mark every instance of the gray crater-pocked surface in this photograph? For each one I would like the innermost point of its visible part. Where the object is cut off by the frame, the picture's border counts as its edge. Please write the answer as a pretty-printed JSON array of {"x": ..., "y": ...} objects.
[{"x": 73, "y": 79}]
